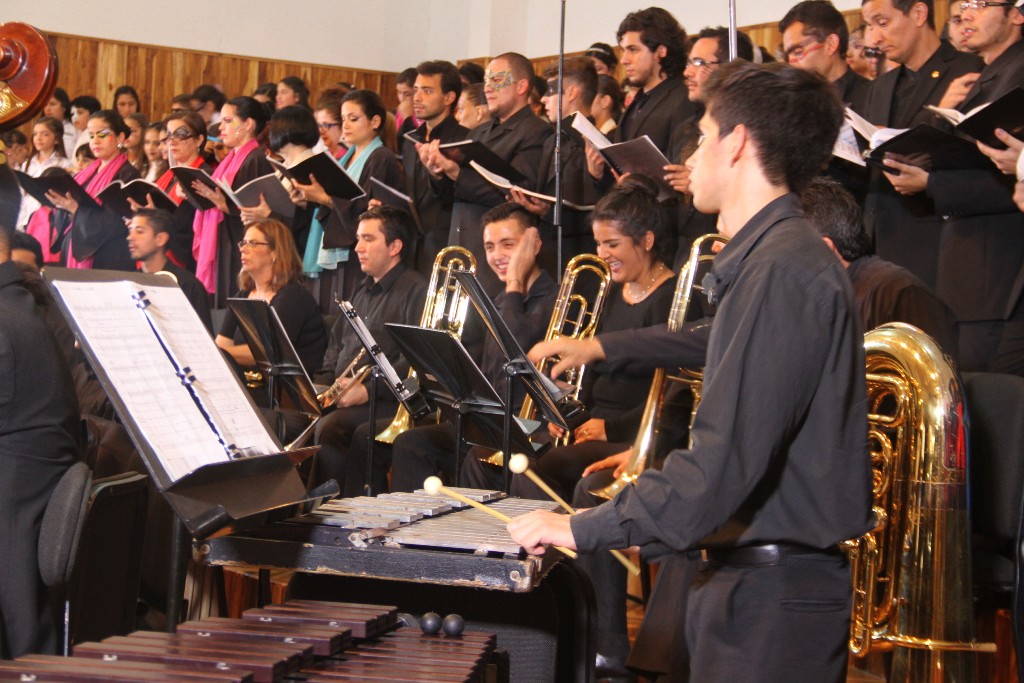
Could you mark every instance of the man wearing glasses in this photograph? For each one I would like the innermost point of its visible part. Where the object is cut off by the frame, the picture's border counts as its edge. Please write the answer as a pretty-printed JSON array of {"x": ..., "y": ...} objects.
[
  {"x": 904, "y": 224},
  {"x": 815, "y": 37}
]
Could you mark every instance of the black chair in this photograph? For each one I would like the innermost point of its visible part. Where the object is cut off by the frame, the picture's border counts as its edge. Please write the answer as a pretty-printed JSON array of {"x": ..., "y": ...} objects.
[
  {"x": 90, "y": 552},
  {"x": 995, "y": 406}
]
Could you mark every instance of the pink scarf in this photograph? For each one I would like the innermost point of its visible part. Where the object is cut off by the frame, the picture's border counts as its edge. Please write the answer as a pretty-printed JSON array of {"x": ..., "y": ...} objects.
[
  {"x": 95, "y": 180},
  {"x": 206, "y": 225},
  {"x": 39, "y": 227}
]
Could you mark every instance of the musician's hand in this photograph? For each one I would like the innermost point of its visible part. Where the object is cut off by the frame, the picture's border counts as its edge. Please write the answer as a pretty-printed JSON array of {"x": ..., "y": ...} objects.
[
  {"x": 296, "y": 196},
  {"x": 522, "y": 260},
  {"x": 678, "y": 176},
  {"x": 1018, "y": 195},
  {"x": 591, "y": 430},
  {"x": 572, "y": 353},
  {"x": 135, "y": 206},
  {"x": 356, "y": 396},
  {"x": 595, "y": 162},
  {"x": 555, "y": 431},
  {"x": 374, "y": 202},
  {"x": 618, "y": 461},
  {"x": 537, "y": 529},
  {"x": 910, "y": 180},
  {"x": 426, "y": 152},
  {"x": 251, "y": 214},
  {"x": 536, "y": 206},
  {"x": 957, "y": 90},
  {"x": 215, "y": 196},
  {"x": 1004, "y": 159},
  {"x": 64, "y": 202},
  {"x": 314, "y": 192}
]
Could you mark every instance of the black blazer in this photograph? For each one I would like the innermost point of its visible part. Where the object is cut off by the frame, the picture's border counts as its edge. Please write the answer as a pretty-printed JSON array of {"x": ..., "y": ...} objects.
[
  {"x": 101, "y": 232},
  {"x": 659, "y": 117},
  {"x": 342, "y": 218},
  {"x": 435, "y": 209}
]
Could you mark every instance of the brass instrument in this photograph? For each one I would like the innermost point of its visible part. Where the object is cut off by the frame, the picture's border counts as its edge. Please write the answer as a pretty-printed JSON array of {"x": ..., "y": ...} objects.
[
  {"x": 646, "y": 436},
  {"x": 912, "y": 572},
  {"x": 574, "y": 317},
  {"x": 445, "y": 308},
  {"x": 352, "y": 377}
]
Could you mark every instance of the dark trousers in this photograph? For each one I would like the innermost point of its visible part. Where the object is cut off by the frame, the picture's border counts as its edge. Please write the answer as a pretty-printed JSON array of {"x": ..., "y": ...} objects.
[
  {"x": 334, "y": 434},
  {"x": 356, "y": 478},
  {"x": 420, "y": 453},
  {"x": 992, "y": 345}
]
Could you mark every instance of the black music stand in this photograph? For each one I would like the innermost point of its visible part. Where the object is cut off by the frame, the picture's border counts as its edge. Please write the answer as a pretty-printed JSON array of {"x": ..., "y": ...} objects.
[
  {"x": 453, "y": 382},
  {"x": 290, "y": 389},
  {"x": 556, "y": 404},
  {"x": 406, "y": 391}
]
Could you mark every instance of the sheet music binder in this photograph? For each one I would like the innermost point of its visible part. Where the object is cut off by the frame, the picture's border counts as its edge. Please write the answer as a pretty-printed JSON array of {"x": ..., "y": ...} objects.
[{"x": 162, "y": 376}]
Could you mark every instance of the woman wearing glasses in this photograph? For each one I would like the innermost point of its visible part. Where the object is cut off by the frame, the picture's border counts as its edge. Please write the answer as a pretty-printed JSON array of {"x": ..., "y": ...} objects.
[
  {"x": 271, "y": 272},
  {"x": 217, "y": 230},
  {"x": 96, "y": 236}
]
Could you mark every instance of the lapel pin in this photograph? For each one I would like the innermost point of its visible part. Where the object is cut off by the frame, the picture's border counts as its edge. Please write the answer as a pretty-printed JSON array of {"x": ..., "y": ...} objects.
[{"x": 935, "y": 74}]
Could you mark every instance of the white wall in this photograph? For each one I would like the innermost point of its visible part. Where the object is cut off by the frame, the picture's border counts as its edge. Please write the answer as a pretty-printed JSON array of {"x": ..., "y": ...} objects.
[{"x": 380, "y": 34}]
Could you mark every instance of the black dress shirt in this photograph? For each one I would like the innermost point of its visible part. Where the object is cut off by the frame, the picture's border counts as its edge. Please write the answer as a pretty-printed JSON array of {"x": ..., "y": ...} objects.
[
  {"x": 193, "y": 290},
  {"x": 398, "y": 297},
  {"x": 780, "y": 438}
]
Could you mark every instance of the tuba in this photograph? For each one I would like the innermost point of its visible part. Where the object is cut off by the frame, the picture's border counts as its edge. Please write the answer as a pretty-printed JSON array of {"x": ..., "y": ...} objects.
[
  {"x": 444, "y": 309},
  {"x": 574, "y": 317},
  {"x": 912, "y": 572},
  {"x": 646, "y": 436}
]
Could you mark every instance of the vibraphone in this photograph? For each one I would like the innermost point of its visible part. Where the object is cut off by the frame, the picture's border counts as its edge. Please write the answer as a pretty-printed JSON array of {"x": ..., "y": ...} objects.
[
  {"x": 402, "y": 536},
  {"x": 300, "y": 640}
]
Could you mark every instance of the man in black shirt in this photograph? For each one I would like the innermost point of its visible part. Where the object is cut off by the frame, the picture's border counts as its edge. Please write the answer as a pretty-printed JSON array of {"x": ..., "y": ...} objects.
[
  {"x": 390, "y": 292},
  {"x": 149, "y": 231},
  {"x": 435, "y": 94},
  {"x": 779, "y": 473}
]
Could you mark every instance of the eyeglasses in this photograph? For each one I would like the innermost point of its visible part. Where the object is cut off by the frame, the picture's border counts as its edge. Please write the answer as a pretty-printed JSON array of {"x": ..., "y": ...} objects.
[
  {"x": 180, "y": 134},
  {"x": 327, "y": 126},
  {"x": 797, "y": 53},
  {"x": 251, "y": 244},
  {"x": 698, "y": 63},
  {"x": 982, "y": 4}
]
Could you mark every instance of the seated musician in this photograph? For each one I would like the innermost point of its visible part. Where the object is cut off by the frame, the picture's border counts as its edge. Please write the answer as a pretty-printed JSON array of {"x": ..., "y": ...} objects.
[
  {"x": 511, "y": 242},
  {"x": 390, "y": 292},
  {"x": 630, "y": 231},
  {"x": 149, "y": 233},
  {"x": 755, "y": 506}
]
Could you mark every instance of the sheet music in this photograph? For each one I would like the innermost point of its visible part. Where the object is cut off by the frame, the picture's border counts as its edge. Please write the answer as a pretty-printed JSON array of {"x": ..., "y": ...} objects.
[
  {"x": 590, "y": 131},
  {"x": 215, "y": 386},
  {"x": 123, "y": 341},
  {"x": 846, "y": 145}
]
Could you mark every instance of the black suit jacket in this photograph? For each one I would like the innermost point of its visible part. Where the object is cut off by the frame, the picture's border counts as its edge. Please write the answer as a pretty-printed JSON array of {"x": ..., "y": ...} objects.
[
  {"x": 981, "y": 258},
  {"x": 343, "y": 218},
  {"x": 906, "y": 229},
  {"x": 101, "y": 232},
  {"x": 659, "y": 117}
]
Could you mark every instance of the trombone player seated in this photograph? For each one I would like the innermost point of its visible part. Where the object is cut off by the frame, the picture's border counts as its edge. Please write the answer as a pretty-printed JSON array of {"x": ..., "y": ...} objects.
[{"x": 390, "y": 292}]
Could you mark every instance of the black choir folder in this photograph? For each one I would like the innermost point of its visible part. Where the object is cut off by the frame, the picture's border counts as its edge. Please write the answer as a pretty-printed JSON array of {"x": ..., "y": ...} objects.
[{"x": 206, "y": 446}]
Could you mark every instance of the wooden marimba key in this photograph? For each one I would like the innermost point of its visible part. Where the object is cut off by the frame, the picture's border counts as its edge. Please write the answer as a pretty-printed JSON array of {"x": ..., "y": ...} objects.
[{"x": 300, "y": 640}]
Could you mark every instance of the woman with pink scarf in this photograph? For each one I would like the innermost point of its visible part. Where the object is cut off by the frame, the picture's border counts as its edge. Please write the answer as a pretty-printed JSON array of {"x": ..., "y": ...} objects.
[
  {"x": 97, "y": 236},
  {"x": 218, "y": 230}
]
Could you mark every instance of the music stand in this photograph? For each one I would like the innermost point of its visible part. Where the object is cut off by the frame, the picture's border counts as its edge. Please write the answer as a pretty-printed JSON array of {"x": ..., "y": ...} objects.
[
  {"x": 406, "y": 391},
  {"x": 453, "y": 381},
  {"x": 290, "y": 389}
]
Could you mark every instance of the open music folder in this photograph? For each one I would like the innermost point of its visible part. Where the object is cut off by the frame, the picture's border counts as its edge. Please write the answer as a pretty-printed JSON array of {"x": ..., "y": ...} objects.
[{"x": 202, "y": 438}]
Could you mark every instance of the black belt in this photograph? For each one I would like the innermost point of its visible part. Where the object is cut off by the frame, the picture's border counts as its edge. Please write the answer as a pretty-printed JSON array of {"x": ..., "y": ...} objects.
[{"x": 766, "y": 555}]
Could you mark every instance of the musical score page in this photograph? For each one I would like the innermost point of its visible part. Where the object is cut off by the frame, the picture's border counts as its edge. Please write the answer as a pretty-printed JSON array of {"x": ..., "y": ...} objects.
[{"x": 124, "y": 344}]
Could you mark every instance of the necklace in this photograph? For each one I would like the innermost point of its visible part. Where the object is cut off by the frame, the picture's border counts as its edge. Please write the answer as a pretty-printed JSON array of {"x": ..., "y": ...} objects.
[{"x": 655, "y": 274}]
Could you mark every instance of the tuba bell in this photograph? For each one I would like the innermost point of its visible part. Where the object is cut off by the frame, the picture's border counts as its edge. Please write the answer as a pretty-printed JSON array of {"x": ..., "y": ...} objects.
[
  {"x": 646, "y": 436},
  {"x": 444, "y": 309},
  {"x": 573, "y": 317},
  {"x": 912, "y": 572}
]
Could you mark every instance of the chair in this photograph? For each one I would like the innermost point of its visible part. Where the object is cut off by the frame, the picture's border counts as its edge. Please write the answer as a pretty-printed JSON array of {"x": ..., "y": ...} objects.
[
  {"x": 90, "y": 551},
  {"x": 995, "y": 406}
]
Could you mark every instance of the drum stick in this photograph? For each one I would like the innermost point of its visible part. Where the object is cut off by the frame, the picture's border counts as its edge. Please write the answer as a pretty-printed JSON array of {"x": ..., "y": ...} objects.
[{"x": 432, "y": 485}]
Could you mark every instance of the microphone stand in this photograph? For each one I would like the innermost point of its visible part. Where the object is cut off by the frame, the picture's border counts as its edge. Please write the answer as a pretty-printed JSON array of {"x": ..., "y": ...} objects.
[
  {"x": 557, "y": 214},
  {"x": 733, "y": 40}
]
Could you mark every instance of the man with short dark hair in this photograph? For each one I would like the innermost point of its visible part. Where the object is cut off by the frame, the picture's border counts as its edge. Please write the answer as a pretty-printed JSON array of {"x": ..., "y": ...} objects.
[
  {"x": 905, "y": 226},
  {"x": 149, "y": 231},
  {"x": 513, "y": 133},
  {"x": 436, "y": 91},
  {"x": 390, "y": 292},
  {"x": 779, "y": 472}
]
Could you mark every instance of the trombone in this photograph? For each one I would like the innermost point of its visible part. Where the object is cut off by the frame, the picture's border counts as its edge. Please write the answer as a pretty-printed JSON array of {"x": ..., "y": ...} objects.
[
  {"x": 573, "y": 317},
  {"x": 646, "y": 436},
  {"x": 352, "y": 377},
  {"x": 444, "y": 309}
]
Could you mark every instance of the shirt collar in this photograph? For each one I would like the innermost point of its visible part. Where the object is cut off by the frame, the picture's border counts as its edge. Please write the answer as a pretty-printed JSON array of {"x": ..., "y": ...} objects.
[
  {"x": 387, "y": 282},
  {"x": 729, "y": 260}
]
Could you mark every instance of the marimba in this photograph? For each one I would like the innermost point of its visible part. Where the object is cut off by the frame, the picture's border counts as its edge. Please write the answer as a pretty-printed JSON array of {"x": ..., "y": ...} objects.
[{"x": 299, "y": 640}]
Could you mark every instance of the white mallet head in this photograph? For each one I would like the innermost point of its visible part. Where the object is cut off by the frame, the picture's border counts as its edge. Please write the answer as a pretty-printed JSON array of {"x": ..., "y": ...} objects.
[
  {"x": 519, "y": 463},
  {"x": 432, "y": 485}
]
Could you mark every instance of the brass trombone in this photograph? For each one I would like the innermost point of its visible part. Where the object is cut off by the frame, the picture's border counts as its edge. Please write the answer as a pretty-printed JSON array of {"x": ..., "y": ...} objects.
[
  {"x": 352, "y": 377},
  {"x": 444, "y": 309},
  {"x": 573, "y": 317},
  {"x": 646, "y": 436}
]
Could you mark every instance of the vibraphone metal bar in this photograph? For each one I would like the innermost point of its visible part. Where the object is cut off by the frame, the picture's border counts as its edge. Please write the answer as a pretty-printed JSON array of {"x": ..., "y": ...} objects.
[
  {"x": 249, "y": 650},
  {"x": 400, "y": 536}
]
